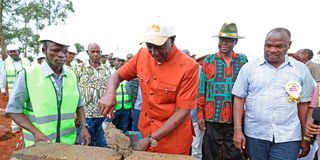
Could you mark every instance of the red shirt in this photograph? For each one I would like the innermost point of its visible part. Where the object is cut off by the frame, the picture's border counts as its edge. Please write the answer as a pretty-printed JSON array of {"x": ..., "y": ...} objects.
[{"x": 165, "y": 87}]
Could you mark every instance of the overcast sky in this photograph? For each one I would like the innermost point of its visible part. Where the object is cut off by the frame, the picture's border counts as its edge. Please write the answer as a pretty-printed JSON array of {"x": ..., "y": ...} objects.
[{"x": 120, "y": 23}]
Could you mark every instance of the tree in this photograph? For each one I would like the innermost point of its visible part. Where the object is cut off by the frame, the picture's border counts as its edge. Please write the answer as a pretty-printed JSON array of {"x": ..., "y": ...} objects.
[
  {"x": 7, "y": 22},
  {"x": 79, "y": 47},
  {"x": 21, "y": 20}
]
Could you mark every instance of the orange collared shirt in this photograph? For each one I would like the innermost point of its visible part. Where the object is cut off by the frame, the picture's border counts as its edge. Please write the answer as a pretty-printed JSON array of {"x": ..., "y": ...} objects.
[{"x": 165, "y": 87}]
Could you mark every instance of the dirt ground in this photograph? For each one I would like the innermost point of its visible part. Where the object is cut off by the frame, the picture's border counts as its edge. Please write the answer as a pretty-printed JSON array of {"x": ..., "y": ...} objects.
[{"x": 9, "y": 146}]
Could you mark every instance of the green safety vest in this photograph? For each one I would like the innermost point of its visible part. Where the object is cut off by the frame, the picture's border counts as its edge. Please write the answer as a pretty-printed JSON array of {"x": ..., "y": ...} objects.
[
  {"x": 57, "y": 123},
  {"x": 122, "y": 97},
  {"x": 11, "y": 71}
]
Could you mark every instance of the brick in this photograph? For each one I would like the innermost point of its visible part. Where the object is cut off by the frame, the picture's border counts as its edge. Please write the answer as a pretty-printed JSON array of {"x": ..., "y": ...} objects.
[
  {"x": 58, "y": 151},
  {"x": 139, "y": 155}
]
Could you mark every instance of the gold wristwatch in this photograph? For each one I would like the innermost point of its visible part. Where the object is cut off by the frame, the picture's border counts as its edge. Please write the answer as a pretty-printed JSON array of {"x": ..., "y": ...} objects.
[
  {"x": 306, "y": 138},
  {"x": 153, "y": 142}
]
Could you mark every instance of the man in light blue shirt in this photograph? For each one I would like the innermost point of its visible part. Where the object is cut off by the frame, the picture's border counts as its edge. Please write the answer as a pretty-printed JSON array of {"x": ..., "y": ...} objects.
[{"x": 274, "y": 123}]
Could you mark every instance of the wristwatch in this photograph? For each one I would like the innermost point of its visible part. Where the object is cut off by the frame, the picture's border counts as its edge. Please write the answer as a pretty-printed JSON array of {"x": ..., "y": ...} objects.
[
  {"x": 86, "y": 125},
  {"x": 306, "y": 138},
  {"x": 153, "y": 142}
]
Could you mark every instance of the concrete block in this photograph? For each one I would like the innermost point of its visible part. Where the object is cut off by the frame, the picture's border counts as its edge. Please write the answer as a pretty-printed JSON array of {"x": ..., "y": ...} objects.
[{"x": 58, "y": 151}]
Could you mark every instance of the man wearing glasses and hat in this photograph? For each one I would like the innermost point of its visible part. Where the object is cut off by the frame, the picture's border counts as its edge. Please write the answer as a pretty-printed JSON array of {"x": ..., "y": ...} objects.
[
  {"x": 215, "y": 101},
  {"x": 168, "y": 79}
]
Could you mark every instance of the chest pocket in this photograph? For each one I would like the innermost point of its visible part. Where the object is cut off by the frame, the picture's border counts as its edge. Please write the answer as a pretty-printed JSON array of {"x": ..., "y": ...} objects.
[{"x": 166, "y": 94}]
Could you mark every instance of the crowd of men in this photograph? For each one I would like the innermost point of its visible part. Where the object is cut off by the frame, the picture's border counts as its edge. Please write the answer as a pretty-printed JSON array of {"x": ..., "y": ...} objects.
[{"x": 215, "y": 106}]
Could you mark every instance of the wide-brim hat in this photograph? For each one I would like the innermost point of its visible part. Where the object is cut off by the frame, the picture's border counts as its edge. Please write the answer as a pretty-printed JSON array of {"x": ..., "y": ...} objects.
[{"x": 229, "y": 30}]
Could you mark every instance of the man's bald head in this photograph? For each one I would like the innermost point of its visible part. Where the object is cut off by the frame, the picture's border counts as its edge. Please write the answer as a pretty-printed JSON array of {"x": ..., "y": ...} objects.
[
  {"x": 90, "y": 45},
  {"x": 280, "y": 31}
]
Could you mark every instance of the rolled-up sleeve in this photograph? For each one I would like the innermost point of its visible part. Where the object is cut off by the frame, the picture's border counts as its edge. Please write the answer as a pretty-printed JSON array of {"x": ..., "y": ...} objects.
[
  {"x": 307, "y": 86},
  {"x": 129, "y": 70},
  {"x": 241, "y": 84}
]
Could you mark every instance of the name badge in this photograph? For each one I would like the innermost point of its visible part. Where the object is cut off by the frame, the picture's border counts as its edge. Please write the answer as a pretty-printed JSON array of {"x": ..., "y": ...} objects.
[{"x": 293, "y": 89}]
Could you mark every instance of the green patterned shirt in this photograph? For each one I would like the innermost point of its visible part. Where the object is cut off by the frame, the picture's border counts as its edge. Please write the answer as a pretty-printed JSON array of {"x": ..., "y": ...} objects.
[
  {"x": 92, "y": 84},
  {"x": 215, "y": 85}
]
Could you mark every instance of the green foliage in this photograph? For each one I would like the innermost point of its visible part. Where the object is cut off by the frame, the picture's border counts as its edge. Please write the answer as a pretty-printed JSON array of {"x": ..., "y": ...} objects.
[
  {"x": 79, "y": 47},
  {"x": 30, "y": 58},
  {"x": 21, "y": 20}
]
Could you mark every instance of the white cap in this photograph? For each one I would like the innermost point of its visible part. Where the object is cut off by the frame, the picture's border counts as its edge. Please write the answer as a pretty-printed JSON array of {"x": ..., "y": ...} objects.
[
  {"x": 121, "y": 56},
  {"x": 55, "y": 34},
  {"x": 41, "y": 55},
  {"x": 72, "y": 49},
  {"x": 157, "y": 33},
  {"x": 104, "y": 53},
  {"x": 12, "y": 47},
  {"x": 82, "y": 56}
]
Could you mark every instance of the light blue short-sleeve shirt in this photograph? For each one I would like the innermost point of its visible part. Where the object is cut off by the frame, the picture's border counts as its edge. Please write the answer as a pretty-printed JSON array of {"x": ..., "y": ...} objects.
[{"x": 268, "y": 113}]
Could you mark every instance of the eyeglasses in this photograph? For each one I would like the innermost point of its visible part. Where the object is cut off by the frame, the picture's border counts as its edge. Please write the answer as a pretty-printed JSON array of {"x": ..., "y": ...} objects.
[{"x": 227, "y": 40}]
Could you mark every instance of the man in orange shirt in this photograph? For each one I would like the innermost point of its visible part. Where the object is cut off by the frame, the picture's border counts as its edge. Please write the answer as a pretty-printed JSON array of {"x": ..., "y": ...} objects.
[{"x": 168, "y": 79}]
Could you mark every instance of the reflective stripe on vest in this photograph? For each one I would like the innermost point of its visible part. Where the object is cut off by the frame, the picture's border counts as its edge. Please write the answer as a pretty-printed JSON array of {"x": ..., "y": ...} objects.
[
  {"x": 54, "y": 120},
  {"x": 29, "y": 136},
  {"x": 122, "y": 97},
  {"x": 47, "y": 119},
  {"x": 11, "y": 71}
]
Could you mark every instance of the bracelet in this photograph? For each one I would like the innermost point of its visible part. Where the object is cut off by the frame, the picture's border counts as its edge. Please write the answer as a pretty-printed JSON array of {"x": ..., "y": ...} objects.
[
  {"x": 237, "y": 127},
  {"x": 306, "y": 138}
]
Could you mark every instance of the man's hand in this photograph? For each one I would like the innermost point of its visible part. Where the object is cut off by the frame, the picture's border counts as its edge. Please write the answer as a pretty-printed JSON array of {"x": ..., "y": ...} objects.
[
  {"x": 76, "y": 122},
  {"x": 107, "y": 104},
  {"x": 39, "y": 136},
  {"x": 305, "y": 148},
  {"x": 239, "y": 140},
  {"x": 144, "y": 144},
  {"x": 85, "y": 136},
  {"x": 5, "y": 133},
  {"x": 312, "y": 129},
  {"x": 202, "y": 124}
]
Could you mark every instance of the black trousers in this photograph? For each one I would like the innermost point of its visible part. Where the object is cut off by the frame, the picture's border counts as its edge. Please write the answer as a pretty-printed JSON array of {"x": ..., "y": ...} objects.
[{"x": 218, "y": 143}]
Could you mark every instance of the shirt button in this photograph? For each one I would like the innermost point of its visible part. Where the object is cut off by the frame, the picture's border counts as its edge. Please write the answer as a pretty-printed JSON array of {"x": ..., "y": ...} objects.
[
  {"x": 151, "y": 93},
  {"x": 151, "y": 120},
  {"x": 154, "y": 77}
]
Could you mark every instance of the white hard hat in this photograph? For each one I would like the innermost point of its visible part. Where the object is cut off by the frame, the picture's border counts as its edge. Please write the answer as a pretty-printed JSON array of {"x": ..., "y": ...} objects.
[
  {"x": 120, "y": 56},
  {"x": 12, "y": 47},
  {"x": 104, "y": 54},
  {"x": 72, "y": 49},
  {"x": 41, "y": 55},
  {"x": 82, "y": 56},
  {"x": 55, "y": 34},
  {"x": 201, "y": 56}
]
